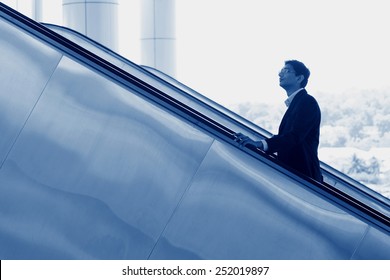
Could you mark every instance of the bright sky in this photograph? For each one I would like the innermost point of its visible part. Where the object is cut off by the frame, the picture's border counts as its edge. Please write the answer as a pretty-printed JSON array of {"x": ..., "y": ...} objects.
[
  {"x": 237, "y": 47},
  {"x": 232, "y": 50}
]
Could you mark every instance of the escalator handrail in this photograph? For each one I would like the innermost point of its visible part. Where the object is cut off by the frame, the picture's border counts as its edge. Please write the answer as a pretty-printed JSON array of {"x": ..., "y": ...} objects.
[{"x": 173, "y": 83}]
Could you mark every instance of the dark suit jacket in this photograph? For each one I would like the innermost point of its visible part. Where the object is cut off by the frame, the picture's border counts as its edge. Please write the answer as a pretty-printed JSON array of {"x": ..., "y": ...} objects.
[{"x": 298, "y": 138}]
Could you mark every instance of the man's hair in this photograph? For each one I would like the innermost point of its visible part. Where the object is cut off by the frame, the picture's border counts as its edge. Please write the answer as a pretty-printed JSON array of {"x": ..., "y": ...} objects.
[{"x": 300, "y": 69}]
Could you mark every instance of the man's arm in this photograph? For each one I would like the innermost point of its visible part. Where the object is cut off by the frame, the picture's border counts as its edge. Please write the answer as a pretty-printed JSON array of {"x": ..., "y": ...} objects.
[{"x": 300, "y": 122}]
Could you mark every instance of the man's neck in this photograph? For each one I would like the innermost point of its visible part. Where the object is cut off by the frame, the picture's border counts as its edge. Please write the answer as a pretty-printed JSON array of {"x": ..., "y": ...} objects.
[
  {"x": 292, "y": 90},
  {"x": 291, "y": 97}
]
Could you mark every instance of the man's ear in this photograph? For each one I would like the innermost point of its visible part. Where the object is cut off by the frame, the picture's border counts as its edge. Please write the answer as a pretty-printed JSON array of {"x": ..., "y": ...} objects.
[{"x": 300, "y": 78}]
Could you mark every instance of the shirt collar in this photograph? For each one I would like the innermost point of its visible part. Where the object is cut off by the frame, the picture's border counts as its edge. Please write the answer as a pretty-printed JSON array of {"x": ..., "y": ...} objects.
[{"x": 291, "y": 97}]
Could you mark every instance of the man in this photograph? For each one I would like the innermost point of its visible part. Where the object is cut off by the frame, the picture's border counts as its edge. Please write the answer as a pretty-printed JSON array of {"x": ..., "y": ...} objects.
[{"x": 296, "y": 143}]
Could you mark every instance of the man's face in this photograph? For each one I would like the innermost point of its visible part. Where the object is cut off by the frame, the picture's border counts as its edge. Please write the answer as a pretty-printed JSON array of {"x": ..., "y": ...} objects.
[{"x": 288, "y": 77}]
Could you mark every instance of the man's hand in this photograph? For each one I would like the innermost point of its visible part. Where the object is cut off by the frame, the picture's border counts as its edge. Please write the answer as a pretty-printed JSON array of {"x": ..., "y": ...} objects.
[
  {"x": 247, "y": 141},
  {"x": 241, "y": 138}
]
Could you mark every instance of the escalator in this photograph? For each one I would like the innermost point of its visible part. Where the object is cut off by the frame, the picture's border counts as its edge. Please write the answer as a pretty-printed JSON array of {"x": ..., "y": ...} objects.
[
  {"x": 103, "y": 159},
  {"x": 331, "y": 175}
]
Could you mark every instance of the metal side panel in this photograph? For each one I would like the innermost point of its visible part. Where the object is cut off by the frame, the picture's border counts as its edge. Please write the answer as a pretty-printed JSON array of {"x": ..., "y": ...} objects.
[
  {"x": 26, "y": 66},
  {"x": 240, "y": 208},
  {"x": 96, "y": 172},
  {"x": 375, "y": 246}
]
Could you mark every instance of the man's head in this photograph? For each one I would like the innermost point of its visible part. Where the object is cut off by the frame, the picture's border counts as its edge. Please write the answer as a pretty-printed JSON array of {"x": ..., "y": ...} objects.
[{"x": 294, "y": 74}]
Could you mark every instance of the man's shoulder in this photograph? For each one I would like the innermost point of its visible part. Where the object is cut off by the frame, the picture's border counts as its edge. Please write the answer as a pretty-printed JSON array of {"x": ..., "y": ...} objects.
[
  {"x": 305, "y": 96},
  {"x": 307, "y": 102}
]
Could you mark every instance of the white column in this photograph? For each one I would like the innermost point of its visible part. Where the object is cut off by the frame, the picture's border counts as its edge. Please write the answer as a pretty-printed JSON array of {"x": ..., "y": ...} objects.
[
  {"x": 97, "y": 19},
  {"x": 158, "y": 35},
  {"x": 37, "y": 10}
]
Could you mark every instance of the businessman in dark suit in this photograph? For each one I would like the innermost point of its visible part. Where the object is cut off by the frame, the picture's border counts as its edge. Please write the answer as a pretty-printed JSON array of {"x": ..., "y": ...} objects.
[{"x": 296, "y": 143}]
